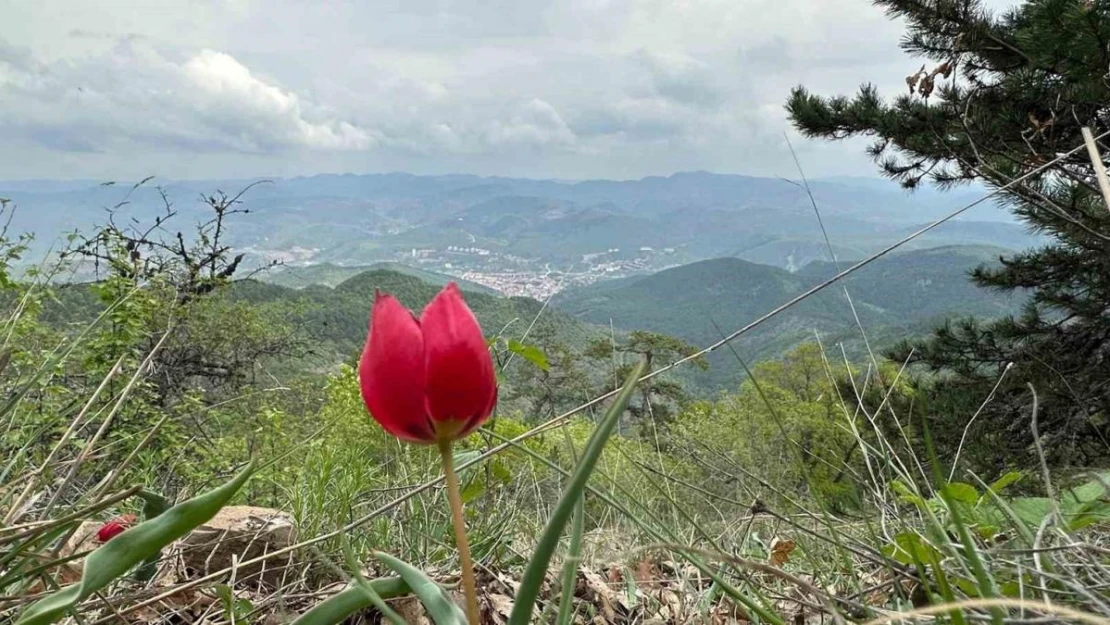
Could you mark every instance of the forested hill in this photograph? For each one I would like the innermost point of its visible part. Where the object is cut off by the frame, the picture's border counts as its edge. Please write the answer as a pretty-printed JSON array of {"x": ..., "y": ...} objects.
[
  {"x": 328, "y": 274},
  {"x": 336, "y": 318},
  {"x": 899, "y": 296},
  {"x": 923, "y": 283},
  {"x": 333, "y": 320}
]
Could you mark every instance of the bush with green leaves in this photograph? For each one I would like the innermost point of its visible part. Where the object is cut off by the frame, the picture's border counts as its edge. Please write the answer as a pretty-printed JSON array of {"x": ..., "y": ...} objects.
[{"x": 789, "y": 418}]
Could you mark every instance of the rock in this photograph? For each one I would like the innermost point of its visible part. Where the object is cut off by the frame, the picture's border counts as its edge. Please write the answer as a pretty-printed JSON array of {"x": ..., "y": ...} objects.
[
  {"x": 240, "y": 533},
  {"x": 82, "y": 540},
  {"x": 497, "y": 608},
  {"x": 410, "y": 611}
]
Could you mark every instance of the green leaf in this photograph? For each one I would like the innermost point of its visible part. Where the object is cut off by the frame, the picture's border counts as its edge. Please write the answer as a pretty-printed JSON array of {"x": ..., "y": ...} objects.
[
  {"x": 463, "y": 457},
  {"x": 987, "y": 532},
  {"x": 337, "y": 608},
  {"x": 367, "y": 589},
  {"x": 223, "y": 593},
  {"x": 537, "y": 568},
  {"x": 1084, "y": 520},
  {"x": 235, "y": 609},
  {"x": 1091, "y": 491},
  {"x": 906, "y": 494},
  {"x": 243, "y": 607},
  {"x": 970, "y": 553},
  {"x": 1031, "y": 510},
  {"x": 1086, "y": 505},
  {"x": 124, "y": 552},
  {"x": 435, "y": 599},
  {"x": 910, "y": 549},
  {"x": 531, "y": 353},
  {"x": 473, "y": 491},
  {"x": 1007, "y": 479},
  {"x": 967, "y": 586},
  {"x": 962, "y": 492},
  {"x": 1008, "y": 512},
  {"x": 153, "y": 505}
]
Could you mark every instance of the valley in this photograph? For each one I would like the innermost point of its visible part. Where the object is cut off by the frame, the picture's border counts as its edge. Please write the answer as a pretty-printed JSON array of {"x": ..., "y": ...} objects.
[
  {"x": 692, "y": 255},
  {"x": 524, "y": 237},
  {"x": 902, "y": 296}
]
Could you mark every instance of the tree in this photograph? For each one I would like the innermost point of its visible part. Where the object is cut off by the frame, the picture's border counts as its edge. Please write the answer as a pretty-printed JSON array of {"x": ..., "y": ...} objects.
[
  {"x": 556, "y": 387},
  {"x": 167, "y": 300},
  {"x": 658, "y": 398},
  {"x": 998, "y": 98},
  {"x": 158, "y": 281}
]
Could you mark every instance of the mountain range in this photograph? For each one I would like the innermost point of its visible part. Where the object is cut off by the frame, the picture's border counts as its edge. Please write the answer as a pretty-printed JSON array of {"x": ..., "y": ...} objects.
[{"x": 363, "y": 219}]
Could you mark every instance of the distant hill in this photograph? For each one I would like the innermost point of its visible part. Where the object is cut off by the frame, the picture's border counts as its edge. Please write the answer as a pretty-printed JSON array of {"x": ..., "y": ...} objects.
[
  {"x": 859, "y": 239},
  {"x": 900, "y": 295},
  {"x": 327, "y": 274},
  {"x": 922, "y": 284},
  {"x": 337, "y": 318}
]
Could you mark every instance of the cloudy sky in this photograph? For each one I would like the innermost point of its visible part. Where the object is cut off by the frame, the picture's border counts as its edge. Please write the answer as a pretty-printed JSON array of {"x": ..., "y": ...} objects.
[{"x": 118, "y": 89}]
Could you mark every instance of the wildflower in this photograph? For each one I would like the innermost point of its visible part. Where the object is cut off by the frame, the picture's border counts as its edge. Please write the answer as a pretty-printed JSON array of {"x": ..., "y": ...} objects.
[
  {"x": 427, "y": 380},
  {"x": 431, "y": 380},
  {"x": 114, "y": 528}
]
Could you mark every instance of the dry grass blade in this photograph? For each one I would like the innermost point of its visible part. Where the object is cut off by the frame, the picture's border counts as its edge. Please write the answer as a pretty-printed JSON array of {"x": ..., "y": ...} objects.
[
  {"x": 1032, "y": 606},
  {"x": 827, "y": 600},
  {"x": 1097, "y": 164},
  {"x": 38, "y": 528},
  {"x": 87, "y": 449}
]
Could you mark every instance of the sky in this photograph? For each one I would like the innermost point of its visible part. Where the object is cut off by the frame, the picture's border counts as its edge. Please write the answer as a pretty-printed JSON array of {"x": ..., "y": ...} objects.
[{"x": 573, "y": 89}]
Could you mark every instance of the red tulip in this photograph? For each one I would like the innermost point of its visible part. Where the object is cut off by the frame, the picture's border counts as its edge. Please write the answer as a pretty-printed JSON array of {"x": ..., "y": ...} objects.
[
  {"x": 427, "y": 380},
  {"x": 114, "y": 528}
]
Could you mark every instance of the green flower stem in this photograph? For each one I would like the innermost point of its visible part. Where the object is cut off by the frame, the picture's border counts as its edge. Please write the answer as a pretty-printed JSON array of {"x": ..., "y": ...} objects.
[{"x": 470, "y": 588}]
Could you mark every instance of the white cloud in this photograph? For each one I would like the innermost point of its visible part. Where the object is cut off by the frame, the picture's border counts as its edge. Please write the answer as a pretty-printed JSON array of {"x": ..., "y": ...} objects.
[
  {"x": 534, "y": 124},
  {"x": 567, "y": 88},
  {"x": 683, "y": 79},
  {"x": 228, "y": 91},
  {"x": 131, "y": 97}
]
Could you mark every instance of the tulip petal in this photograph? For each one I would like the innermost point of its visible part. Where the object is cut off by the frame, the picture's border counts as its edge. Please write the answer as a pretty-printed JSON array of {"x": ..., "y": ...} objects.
[
  {"x": 461, "y": 384},
  {"x": 110, "y": 530},
  {"x": 477, "y": 420},
  {"x": 391, "y": 372}
]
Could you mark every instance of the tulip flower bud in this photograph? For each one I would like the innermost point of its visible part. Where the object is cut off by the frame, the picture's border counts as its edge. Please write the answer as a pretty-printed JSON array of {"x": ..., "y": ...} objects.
[
  {"x": 114, "y": 528},
  {"x": 427, "y": 380}
]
